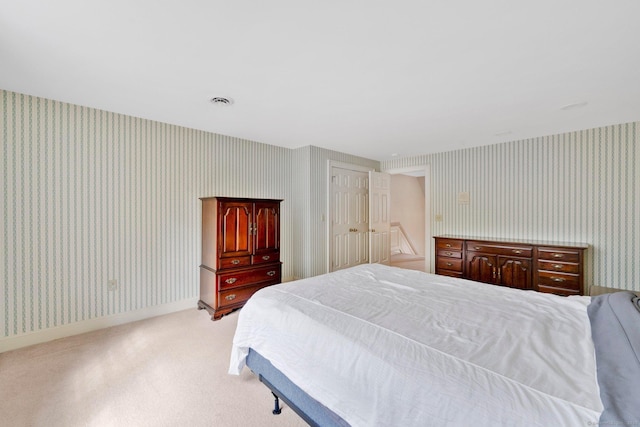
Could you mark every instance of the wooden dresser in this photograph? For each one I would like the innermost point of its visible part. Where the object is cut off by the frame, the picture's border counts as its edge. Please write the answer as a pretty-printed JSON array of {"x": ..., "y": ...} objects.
[
  {"x": 240, "y": 251},
  {"x": 526, "y": 264}
]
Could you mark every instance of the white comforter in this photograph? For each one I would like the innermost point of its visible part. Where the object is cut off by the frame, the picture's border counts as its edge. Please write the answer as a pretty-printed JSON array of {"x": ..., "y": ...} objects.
[{"x": 383, "y": 346}]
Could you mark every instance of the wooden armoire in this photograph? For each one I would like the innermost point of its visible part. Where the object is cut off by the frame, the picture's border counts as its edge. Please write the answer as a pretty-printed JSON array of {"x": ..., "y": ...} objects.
[{"x": 240, "y": 251}]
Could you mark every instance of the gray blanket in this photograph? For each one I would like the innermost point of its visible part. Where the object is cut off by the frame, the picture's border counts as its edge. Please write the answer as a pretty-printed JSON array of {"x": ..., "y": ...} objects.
[{"x": 615, "y": 328}]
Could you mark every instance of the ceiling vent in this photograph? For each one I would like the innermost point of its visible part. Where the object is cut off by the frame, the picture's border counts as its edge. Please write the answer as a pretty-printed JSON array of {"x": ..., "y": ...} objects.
[{"x": 219, "y": 100}]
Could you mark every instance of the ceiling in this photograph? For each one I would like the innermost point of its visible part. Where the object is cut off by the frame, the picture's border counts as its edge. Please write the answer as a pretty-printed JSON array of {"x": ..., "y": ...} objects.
[{"x": 373, "y": 78}]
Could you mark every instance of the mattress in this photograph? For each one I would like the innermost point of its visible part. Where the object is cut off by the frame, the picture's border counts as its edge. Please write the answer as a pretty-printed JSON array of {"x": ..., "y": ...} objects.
[{"x": 385, "y": 346}]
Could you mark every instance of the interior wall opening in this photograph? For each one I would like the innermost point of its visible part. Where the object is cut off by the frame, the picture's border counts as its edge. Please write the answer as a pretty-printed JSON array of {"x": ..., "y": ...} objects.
[{"x": 410, "y": 231}]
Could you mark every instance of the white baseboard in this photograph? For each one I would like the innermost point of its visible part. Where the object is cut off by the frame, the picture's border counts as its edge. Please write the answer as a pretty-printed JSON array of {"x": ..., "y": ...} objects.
[{"x": 12, "y": 343}]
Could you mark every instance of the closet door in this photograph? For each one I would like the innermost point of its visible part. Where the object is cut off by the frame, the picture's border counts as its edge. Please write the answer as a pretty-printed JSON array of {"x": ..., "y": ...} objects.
[
  {"x": 349, "y": 218},
  {"x": 379, "y": 217}
]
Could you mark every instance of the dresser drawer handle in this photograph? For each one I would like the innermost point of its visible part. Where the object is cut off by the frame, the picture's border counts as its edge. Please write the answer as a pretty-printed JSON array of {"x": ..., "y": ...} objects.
[
  {"x": 231, "y": 280},
  {"x": 448, "y": 245},
  {"x": 517, "y": 251},
  {"x": 230, "y": 297},
  {"x": 557, "y": 279},
  {"x": 477, "y": 248},
  {"x": 558, "y": 255},
  {"x": 235, "y": 262},
  {"x": 265, "y": 257},
  {"x": 447, "y": 253},
  {"x": 271, "y": 273},
  {"x": 558, "y": 266},
  {"x": 449, "y": 264}
]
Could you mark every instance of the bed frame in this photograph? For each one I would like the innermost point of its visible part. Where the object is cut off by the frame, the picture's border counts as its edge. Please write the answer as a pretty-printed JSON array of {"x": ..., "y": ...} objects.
[{"x": 310, "y": 410}]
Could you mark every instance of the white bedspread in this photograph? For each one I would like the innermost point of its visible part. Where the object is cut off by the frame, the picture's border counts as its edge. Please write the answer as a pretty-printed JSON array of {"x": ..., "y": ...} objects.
[{"x": 383, "y": 346}]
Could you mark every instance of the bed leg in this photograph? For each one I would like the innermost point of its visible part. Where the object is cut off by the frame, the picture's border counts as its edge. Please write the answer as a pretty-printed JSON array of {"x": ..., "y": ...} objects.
[{"x": 276, "y": 408}]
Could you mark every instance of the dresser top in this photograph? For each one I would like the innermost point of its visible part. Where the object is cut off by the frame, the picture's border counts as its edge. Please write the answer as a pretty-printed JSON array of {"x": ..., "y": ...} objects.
[{"x": 521, "y": 241}]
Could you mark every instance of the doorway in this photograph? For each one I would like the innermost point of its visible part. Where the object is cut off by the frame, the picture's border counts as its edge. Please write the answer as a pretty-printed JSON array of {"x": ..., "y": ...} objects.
[{"x": 411, "y": 245}]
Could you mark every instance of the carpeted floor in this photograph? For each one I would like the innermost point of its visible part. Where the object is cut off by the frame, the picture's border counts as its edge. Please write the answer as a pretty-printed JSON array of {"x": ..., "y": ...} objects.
[
  {"x": 412, "y": 262},
  {"x": 165, "y": 371}
]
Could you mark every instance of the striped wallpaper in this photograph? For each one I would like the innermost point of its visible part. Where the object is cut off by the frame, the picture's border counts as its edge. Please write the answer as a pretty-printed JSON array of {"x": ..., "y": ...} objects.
[
  {"x": 576, "y": 187},
  {"x": 89, "y": 196}
]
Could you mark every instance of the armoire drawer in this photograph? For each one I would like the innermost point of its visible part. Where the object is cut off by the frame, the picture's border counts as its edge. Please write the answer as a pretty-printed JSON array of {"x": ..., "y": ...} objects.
[
  {"x": 234, "y": 279},
  {"x": 239, "y": 296},
  {"x": 264, "y": 258},
  {"x": 234, "y": 262}
]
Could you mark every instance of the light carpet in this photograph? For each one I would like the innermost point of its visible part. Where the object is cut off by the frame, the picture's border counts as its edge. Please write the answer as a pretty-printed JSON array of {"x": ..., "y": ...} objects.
[{"x": 166, "y": 371}]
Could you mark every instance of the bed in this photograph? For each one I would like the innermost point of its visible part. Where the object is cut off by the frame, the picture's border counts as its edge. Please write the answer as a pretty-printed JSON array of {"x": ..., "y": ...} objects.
[{"x": 377, "y": 345}]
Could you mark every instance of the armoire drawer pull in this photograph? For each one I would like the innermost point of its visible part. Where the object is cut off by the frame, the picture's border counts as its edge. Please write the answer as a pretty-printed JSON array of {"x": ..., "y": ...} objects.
[
  {"x": 558, "y": 266},
  {"x": 265, "y": 257},
  {"x": 448, "y": 245},
  {"x": 271, "y": 273},
  {"x": 517, "y": 251},
  {"x": 558, "y": 255},
  {"x": 478, "y": 248},
  {"x": 230, "y": 297},
  {"x": 449, "y": 264},
  {"x": 235, "y": 262},
  {"x": 557, "y": 279},
  {"x": 447, "y": 253},
  {"x": 231, "y": 280}
]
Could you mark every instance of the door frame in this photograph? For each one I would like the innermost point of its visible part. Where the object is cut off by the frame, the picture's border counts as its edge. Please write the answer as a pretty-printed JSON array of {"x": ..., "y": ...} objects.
[
  {"x": 342, "y": 165},
  {"x": 429, "y": 245}
]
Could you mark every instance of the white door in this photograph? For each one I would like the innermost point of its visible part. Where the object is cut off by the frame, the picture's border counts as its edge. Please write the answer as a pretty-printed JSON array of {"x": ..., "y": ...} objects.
[
  {"x": 379, "y": 218},
  {"x": 349, "y": 218}
]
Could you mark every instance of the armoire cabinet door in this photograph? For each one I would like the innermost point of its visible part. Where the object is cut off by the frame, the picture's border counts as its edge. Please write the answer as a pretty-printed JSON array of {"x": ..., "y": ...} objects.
[
  {"x": 235, "y": 225},
  {"x": 266, "y": 223}
]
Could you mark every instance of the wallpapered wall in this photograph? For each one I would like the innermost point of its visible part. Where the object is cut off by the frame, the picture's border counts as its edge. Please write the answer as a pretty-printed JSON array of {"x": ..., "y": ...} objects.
[
  {"x": 576, "y": 187},
  {"x": 89, "y": 196}
]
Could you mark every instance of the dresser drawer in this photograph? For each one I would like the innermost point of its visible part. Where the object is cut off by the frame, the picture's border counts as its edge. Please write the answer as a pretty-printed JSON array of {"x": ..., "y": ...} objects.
[
  {"x": 499, "y": 249},
  {"x": 234, "y": 279},
  {"x": 264, "y": 258},
  {"x": 449, "y": 244},
  {"x": 558, "y": 254},
  {"x": 558, "y": 291},
  {"x": 450, "y": 264},
  {"x": 564, "y": 267},
  {"x": 559, "y": 280},
  {"x": 232, "y": 262},
  {"x": 231, "y": 297},
  {"x": 450, "y": 273},
  {"x": 449, "y": 253}
]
